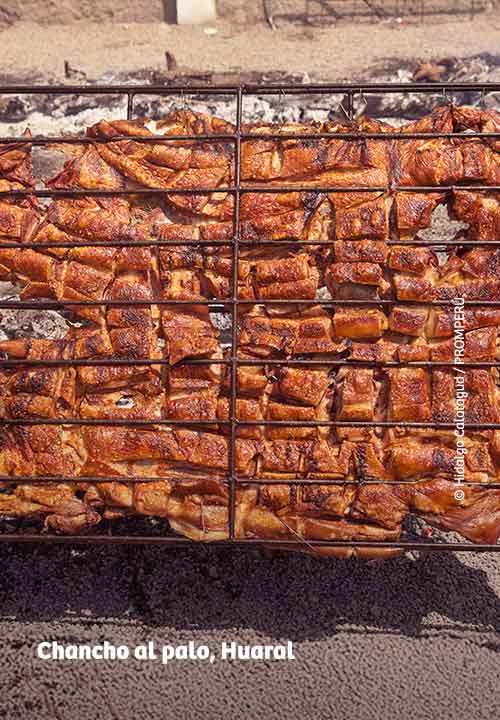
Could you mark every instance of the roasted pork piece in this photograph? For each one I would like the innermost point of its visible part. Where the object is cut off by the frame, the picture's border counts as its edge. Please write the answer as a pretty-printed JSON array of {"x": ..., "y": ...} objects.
[{"x": 345, "y": 445}]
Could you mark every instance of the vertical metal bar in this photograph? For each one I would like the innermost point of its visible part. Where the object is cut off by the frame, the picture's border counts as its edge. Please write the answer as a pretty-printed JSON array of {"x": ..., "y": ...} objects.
[
  {"x": 130, "y": 105},
  {"x": 234, "y": 338},
  {"x": 350, "y": 105}
]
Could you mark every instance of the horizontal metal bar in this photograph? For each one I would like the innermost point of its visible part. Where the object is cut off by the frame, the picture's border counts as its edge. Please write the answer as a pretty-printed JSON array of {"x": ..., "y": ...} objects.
[
  {"x": 363, "y": 423},
  {"x": 20, "y": 89},
  {"x": 408, "y": 243},
  {"x": 120, "y": 362},
  {"x": 247, "y": 88},
  {"x": 93, "y": 479},
  {"x": 362, "y": 363},
  {"x": 165, "y": 541},
  {"x": 332, "y": 241},
  {"x": 396, "y": 135},
  {"x": 133, "y": 422},
  {"x": 380, "y": 188},
  {"x": 112, "y": 422},
  {"x": 219, "y": 305},
  {"x": 383, "y": 88},
  {"x": 268, "y": 189},
  {"x": 42, "y": 140},
  {"x": 60, "y": 304},
  {"x": 243, "y": 243},
  {"x": 225, "y": 479},
  {"x": 304, "y": 481},
  {"x": 417, "y": 242},
  {"x": 115, "y": 244},
  {"x": 114, "y": 193}
]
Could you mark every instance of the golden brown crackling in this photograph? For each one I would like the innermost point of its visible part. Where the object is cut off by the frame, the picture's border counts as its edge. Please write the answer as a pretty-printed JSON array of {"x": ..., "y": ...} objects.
[
  {"x": 188, "y": 335},
  {"x": 356, "y": 394},
  {"x": 409, "y": 395},
  {"x": 476, "y": 517},
  {"x": 481, "y": 405},
  {"x": 480, "y": 345},
  {"x": 14, "y": 219},
  {"x": 415, "y": 260},
  {"x": 412, "y": 460},
  {"x": 247, "y": 409},
  {"x": 302, "y": 385},
  {"x": 201, "y": 512},
  {"x": 433, "y": 161},
  {"x": 92, "y": 218},
  {"x": 122, "y": 404},
  {"x": 363, "y": 273},
  {"x": 481, "y": 211},
  {"x": 379, "y": 503},
  {"x": 413, "y": 211},
  {"x": 192, "y": 406},
  {"x": 266, "y": 335},
  {"x": 372, "y": 251},
  {"x": 376, "y": 352},
  {"x": 260, "y": 522},
  {"x": 323, "y": 458},
  {"x": 367, "y": 220},
  {"x": 89, "y": 171},
  {"x": 16, "y": 163},
  {"x": 282, "y": 412},
  {"x": 408, "y": 320},
  {"x": 358, "y": 323}
]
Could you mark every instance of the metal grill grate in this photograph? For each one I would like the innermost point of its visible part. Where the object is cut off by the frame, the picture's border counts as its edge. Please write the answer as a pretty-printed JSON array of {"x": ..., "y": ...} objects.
[{"x": 350, "y": 93}]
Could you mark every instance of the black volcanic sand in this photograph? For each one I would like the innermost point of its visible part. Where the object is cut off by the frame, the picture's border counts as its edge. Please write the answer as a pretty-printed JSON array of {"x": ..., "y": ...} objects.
[{"x": 413, "y": 637}]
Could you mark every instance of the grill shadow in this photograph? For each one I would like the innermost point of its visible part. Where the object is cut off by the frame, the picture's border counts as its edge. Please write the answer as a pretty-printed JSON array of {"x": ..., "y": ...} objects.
[{"x": 214, "y": 589}]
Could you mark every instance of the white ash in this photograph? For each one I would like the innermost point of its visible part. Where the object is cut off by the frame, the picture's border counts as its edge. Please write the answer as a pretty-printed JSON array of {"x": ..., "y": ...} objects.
[
  {"x": 53, "y": 115},
  {"x": 44, "y": 324},
  {"x": 222, "y": 321},
  {"x": 14, "y": 324},
  {"x": 478, "y": 69},
  {"x": 442, "y": 227},
  {"x": 56, "y": 114}
]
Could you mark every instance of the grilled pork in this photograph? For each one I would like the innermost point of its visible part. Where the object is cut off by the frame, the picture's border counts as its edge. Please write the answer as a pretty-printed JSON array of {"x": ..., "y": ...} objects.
[{"x": 355, "y": 480}]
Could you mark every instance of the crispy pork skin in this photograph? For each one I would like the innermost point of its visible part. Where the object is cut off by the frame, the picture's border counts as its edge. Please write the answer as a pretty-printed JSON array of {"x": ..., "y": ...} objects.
[{"x": 343, "y": 443}]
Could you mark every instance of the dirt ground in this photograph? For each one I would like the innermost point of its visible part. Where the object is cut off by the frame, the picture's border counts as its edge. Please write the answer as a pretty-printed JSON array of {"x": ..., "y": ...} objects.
[
  {"x": 406, "y": 638},
  {"x": 324, "y": 53},
  {"x": 412, "y": 637}
]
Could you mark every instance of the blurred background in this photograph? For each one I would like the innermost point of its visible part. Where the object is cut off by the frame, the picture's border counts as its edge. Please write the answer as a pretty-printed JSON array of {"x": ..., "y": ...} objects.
[{"x": 315, "y": 39}]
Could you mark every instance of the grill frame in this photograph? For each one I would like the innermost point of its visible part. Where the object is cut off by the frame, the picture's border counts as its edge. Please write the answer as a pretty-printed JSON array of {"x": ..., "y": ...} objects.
[{"x": 350, "y": 92}]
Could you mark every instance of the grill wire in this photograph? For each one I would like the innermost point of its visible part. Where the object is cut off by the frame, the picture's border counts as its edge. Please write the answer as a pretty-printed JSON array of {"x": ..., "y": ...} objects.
[{"x": 349, "y": 92}]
